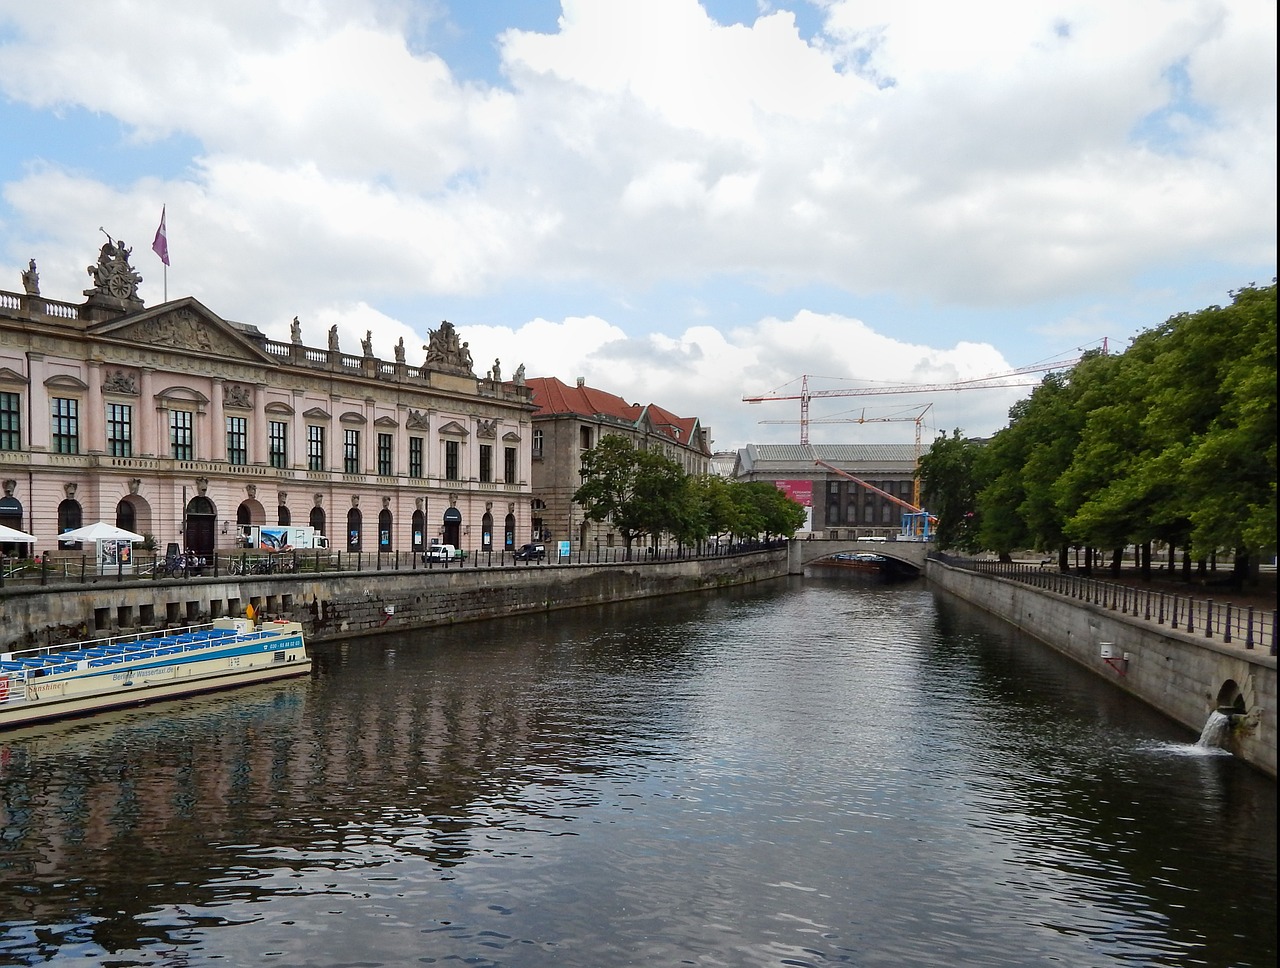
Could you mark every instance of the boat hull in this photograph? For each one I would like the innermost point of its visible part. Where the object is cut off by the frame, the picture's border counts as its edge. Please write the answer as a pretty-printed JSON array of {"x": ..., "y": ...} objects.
[{"x": 90, "y": 677}]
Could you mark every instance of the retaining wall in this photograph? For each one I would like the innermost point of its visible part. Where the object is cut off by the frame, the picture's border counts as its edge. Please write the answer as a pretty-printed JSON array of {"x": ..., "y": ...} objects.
[
  {"x": 334, "y": 605},
  {"x": 1184, "y": 677}
]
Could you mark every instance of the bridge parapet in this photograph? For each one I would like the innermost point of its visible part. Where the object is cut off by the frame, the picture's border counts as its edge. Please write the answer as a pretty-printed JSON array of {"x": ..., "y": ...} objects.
[{"x": 809, "y": 550}]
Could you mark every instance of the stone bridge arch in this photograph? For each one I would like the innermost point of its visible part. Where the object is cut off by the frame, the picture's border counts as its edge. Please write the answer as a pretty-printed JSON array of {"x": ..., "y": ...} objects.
[{"x": 809, "y": 550}]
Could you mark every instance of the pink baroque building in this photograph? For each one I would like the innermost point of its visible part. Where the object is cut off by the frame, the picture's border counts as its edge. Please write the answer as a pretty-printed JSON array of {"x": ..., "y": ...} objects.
[{"x": 175, "y": 423}]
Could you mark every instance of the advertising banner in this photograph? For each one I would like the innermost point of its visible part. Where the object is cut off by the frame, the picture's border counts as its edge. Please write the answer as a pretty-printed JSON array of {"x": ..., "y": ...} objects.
[{"x": 802, "y": 493}]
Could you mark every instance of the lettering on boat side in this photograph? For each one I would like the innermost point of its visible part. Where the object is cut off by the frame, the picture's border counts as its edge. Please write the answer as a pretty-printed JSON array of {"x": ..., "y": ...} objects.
[{"x": 139, "y": 673}]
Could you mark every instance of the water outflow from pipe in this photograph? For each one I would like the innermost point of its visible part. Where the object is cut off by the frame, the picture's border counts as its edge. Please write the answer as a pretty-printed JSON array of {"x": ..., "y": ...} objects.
[{"x": 1216, "y": 729}]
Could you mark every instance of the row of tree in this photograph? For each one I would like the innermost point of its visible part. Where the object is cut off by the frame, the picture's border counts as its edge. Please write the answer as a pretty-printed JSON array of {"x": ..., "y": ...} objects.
[
  {"x": 1172, "y": 441},
  {"x": 646, "y": 494}
]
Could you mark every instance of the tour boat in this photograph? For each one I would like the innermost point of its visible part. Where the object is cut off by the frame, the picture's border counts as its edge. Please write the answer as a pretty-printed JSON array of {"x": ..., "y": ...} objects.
[{"x": 87, "y": 677}]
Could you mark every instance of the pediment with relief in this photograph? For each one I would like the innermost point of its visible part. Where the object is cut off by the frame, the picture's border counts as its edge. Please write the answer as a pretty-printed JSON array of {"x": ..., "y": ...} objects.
[{"x": 185, "y": 325}]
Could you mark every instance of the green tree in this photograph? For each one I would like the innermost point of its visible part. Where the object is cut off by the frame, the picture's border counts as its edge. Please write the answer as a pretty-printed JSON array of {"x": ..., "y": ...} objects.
[
  {"x": 609, "y": 472},
  {"x": 948, "y": 480}
]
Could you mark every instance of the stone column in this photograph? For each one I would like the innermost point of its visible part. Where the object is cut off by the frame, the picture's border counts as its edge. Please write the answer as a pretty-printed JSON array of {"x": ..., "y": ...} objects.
[
  {"x": 218, "y": 419},
  {"x": 258, "y": 449},
  {"x": 149, "y": 435},
  {"x": 95, "y": 418}
]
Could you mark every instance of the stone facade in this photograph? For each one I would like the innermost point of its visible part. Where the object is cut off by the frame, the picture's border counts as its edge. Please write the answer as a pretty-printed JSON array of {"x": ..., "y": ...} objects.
[
  {"x": 569, "y": 421},
  {"x": 176, "y": 423},
  {"x": 840, "y": 507}
]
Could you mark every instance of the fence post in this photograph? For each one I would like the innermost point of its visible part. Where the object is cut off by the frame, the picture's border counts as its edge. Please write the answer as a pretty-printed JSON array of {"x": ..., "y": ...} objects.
[
  {"x": 1160, "y": 619},
  {"x": 1248, "y": 630},
  {"x": 1191, "y": 614},
  {"x": 1226, "y": 625},
  {"x": 1146, "y": 614},
  {"x": 1208, "y": 619}
]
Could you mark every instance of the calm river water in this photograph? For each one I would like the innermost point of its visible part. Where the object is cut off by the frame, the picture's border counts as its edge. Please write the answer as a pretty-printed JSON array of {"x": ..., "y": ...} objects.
[{"x": 818, "y": 772}]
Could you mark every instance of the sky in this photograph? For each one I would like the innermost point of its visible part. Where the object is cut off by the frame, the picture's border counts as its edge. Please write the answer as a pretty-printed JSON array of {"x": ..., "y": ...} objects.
[{"x": 684, "y": 203}]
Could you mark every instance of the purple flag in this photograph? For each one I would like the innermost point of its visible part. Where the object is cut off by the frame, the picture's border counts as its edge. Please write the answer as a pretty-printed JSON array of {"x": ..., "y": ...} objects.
[{"x": 161, "y": 245}]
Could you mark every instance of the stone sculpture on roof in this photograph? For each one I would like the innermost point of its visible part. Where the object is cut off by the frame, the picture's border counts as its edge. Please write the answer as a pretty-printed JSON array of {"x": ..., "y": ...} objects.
[
  {"x": 113, "y": 276},
  {"x": 445, "y": 352},
  {"x": 31, "y": 279}
]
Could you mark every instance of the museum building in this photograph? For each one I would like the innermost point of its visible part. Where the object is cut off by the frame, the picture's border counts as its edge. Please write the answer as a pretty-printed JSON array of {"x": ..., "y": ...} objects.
[{"x": 175, "y": 423}]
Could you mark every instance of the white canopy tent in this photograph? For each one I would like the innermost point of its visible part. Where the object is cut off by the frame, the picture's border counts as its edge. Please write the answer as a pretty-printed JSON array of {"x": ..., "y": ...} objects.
[{"x": 15, "y": 536}]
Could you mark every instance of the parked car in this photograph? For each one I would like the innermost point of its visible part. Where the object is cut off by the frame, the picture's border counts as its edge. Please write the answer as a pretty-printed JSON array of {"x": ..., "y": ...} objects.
[
  {"x": 531, "y": 552},
  {"x": 441, "y": 552}
]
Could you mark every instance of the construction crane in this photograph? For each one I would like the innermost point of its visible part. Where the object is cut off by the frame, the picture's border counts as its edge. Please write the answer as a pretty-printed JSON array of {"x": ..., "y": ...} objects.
[
  {"x": 917, "y": 419},
  {"x": 994, "y": 381},
  {"x": 917, "y": 523}
]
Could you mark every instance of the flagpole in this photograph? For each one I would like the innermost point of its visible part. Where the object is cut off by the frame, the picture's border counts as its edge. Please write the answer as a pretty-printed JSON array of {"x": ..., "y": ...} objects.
[{"x": 160, "y": 246}]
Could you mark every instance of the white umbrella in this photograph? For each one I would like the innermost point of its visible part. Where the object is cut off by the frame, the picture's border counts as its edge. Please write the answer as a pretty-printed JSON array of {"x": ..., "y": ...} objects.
[
  {"x": 100, "y": 532},
  {"x": 21, "y": 537}
]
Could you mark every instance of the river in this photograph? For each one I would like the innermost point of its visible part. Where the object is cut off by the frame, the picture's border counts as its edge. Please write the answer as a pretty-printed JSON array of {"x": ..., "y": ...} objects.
[{"x": 809, "y": 773}]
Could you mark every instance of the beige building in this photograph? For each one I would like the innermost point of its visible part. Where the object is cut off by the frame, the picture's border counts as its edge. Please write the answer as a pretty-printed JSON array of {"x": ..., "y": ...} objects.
[
  {"x": 570, "y": 420},
  {"x": 176, "y": 423}
]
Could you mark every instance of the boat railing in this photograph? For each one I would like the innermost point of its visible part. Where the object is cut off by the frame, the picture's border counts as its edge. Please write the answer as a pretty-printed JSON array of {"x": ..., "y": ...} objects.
[{"x": 188, "y": 638}]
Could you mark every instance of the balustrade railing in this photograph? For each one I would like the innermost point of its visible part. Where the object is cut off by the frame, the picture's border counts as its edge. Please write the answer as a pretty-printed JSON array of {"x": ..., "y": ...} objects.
[{"x": 1225, "y": 621}]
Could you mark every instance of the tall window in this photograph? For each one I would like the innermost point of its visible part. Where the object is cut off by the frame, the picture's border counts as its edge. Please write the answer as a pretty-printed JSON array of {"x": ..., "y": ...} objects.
[
  {"x": 10, "y": 421},
  {"x": 119, "y": 430},
  {"x": 351, "y": 451},
  {"x": 451, "y": 450},
  {"x": 181, "y": 442},
  {"x": 384, "y": 455},
  {"x": 486, "y": 463},
  {"x": 278, "y": 443},
  {"x": 415, "y": 457},
  {"x": 509, "y": 465},
  {"x": 315, "y": 447},
  {"x": 66, "y": 425},
  {"x": 537, "y": 443},
  {"x": 237, "y": 440},
  {"x": 584, "y": 438}
]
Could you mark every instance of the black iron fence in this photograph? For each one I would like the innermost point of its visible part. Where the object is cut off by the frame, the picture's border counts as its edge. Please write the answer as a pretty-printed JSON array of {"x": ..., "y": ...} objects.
[
  {"x": 86, "y": 569},
  {"x": 1225, "y": 621}
]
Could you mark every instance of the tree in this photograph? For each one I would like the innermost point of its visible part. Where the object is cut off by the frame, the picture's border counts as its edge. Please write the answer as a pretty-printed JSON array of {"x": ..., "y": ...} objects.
[
  {"x": 609, "y": 472},
  {"x": 947, "y": 478}
]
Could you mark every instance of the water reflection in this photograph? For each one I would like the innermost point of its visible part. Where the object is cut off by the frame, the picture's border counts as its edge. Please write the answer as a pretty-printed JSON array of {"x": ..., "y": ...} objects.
[{"x": 803, "y": 775}]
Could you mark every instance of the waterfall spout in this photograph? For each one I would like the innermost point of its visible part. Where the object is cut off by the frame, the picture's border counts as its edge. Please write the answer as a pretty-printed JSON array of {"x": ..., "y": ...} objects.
[{"x": 1216, "y": 730}]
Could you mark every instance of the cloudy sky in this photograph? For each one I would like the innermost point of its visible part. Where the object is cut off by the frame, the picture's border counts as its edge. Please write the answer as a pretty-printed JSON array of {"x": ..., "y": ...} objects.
[{"x": 682, "y": 202}]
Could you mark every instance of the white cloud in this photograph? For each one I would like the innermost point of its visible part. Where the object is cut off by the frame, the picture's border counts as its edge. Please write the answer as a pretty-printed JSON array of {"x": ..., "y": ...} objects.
[{"x": 992, "y": 154}]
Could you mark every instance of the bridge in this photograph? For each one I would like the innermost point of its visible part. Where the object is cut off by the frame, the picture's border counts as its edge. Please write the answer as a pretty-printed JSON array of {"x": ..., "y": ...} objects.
[{"x": 807, "y": 551}]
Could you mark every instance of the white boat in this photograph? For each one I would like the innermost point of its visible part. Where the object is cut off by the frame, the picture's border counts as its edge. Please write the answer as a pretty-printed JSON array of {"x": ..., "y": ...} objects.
[{"x": 87, "y": 677}]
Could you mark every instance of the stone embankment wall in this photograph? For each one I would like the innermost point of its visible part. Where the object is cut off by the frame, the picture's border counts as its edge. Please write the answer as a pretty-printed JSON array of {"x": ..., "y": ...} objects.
[
  {"x": 1183, "y": 676},
  {"x": 333, "y": 605}
]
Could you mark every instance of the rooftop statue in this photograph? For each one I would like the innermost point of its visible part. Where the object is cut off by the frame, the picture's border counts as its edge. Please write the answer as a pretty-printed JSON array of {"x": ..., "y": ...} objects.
[
  {"x": 113, "y": 276},
  {"x": 31, "y": 279},
  {"x": 445, "y": 352}
]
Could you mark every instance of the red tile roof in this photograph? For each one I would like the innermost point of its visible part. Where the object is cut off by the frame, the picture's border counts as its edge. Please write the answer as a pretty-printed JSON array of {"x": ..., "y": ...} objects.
[{"x": 553, "y": 396}]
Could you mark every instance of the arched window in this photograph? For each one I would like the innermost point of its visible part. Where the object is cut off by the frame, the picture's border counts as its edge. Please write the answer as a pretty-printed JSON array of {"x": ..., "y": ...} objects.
[
  {"x": 70, "y": 517},
  {"x": 316, "y": 520},
  {"x": 244, "y": 516},
  {"x": 509, "y": 533},
  {"x": 486, "y": 532},
  {"x": 384, "y": 530},
  {"x": 283, "y": 517},
  {"x": 419, "y": 526},
  {"x": 125, "y": 516},
  {"x": 354, "y": 529}
]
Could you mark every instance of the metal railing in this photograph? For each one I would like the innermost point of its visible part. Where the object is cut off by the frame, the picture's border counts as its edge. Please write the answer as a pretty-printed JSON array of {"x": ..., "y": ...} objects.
[
  {"x": 1229, "y": 623},
  {"x": 85, "y": 569}
]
